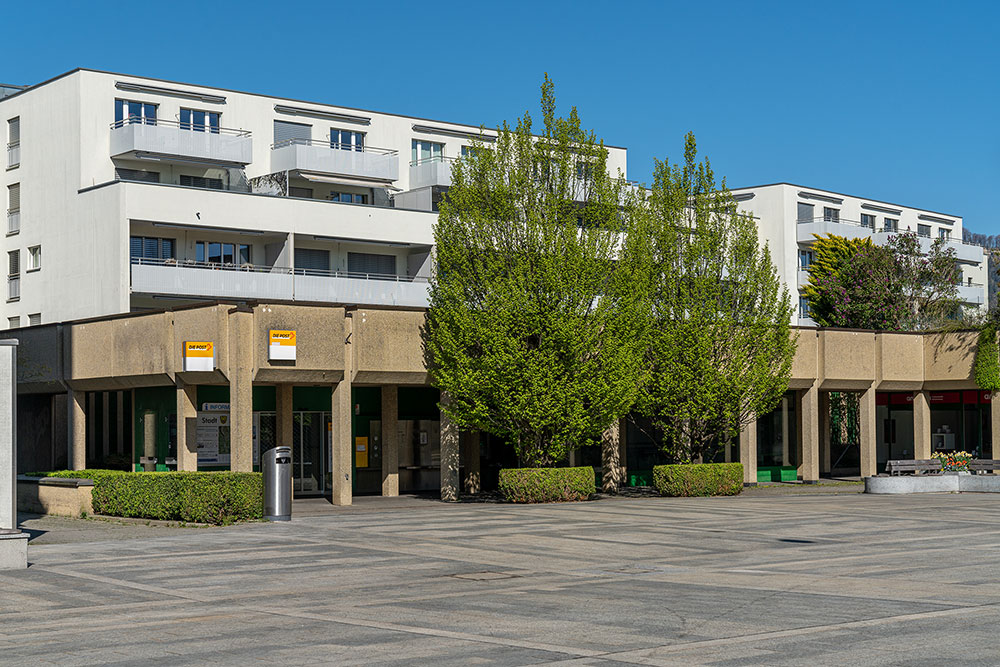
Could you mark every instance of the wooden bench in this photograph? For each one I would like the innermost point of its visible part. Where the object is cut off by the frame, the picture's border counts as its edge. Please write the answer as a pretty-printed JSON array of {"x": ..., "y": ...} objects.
[
  {"x": 984, "y": 465},
  {"x": 914, "y": 466}
]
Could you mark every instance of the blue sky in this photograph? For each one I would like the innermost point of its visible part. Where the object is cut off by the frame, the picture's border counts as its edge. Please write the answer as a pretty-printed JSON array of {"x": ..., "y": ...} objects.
[{"x": 895, "y": 101}]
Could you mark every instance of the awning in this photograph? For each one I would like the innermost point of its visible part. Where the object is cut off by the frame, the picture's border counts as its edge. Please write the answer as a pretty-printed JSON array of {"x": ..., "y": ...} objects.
[{"x": 343, "y": 180}]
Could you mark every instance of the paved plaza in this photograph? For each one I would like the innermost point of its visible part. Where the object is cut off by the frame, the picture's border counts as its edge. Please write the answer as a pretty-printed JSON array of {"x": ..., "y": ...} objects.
[{"x": 757, "y": 579}]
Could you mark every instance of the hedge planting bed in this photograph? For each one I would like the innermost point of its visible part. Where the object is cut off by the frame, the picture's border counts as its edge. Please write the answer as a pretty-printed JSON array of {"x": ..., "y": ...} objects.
[
  {"x": 547, "y": 485},
  {"x": 699, "y": 479},
  {"x": 199, "y": 497}
]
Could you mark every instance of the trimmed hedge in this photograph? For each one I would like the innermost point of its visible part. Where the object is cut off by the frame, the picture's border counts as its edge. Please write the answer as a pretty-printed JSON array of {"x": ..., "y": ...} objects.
[
  {"x": 547, "y": 485},
  {"x": 199, "y": 497},
  {"x": 699, "y": 479}
]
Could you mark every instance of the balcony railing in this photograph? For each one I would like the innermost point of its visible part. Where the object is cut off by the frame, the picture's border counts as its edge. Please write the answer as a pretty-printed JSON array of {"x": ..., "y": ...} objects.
[
  {"x": 13, "y": 154},
  {"x": 13, "y": 222},
  {"x": 326, "y": 143},
  {"x": 430, "y": 171},
  {"x": 13, "y": 288},
  {"x": 323, "y": 157},
  {"x": 189, "y": 278},
  {"x": 161, "y": 137}
]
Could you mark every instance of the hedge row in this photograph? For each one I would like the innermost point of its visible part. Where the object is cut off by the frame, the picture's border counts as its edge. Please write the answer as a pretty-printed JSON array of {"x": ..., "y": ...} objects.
[
  {"x": 699, "y": 479},
  {"x": 198, "y": 497},
  {"x": 546, "y": 485}
]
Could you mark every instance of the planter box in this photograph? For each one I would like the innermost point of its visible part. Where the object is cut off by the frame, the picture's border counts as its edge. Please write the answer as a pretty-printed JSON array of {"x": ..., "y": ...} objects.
[
  {"x": 946, "y": 483},
  {"x": 54, "y": 495}
]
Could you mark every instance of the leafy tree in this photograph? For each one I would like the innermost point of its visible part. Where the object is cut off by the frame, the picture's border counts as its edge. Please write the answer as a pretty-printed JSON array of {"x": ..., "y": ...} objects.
[
  {"x": 538, "y": 316},
  {"x": 721, "y": 348},
  {"x": 830, "y": 254}
]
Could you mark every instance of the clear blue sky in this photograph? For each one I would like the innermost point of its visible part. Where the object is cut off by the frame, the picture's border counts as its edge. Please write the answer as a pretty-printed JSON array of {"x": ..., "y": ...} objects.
[{"x": 896, "y": 101}]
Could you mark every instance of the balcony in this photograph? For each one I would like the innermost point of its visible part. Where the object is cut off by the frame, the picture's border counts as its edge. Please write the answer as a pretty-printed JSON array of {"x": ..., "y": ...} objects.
[
  {"x": 806, "y": 230},
  {"x": 803, "y": 277},
  {"x": 13, "y": 154},
  {"x": 378, "y": 165},
  {"x": 190, "y": 279},
  {"x": 171, "y": 139},
  {"x": 13, "y": 222},
  {"x": 972, "y": 293},
  {"x": 430, "y": 171}
]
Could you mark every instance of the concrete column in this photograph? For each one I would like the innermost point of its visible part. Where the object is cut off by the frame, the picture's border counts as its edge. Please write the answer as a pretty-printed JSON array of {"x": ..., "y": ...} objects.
[
  {"x": 284, "y": 417},
  {"x": 470, "y": 458},
  {"x": 612, "y": 470},
  {"x": 8, "y": 439},
  {"x": 922, "y": 424},
  {"x": 76, "y": 430},
  {"x": 187, "y": 426},
  {"x": 390, "y": 440},
  {"x": 241, "y": 390},
  {"x": 449, "y": 456},
  {"x": 149, "y": 440},
  {"x": 809, "y": 420},
  {"x": 748, "y": 452},
  {"x": 866, "y": 412},
  {"x": 825, "y": 457},
  {"x": 342, "y": 454}
]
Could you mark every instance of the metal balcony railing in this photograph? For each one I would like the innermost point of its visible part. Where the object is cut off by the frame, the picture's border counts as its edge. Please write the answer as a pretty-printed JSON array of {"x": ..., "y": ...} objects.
[
  {"x": 193, "y": 127},
  {"x": 13, "y": 154},
  {"x": 326, "y": 143},
  {"x": 256, "y": 268},
  {"x": 13, "y": 288},
  {"x": 433, "y": 158},
  {"x": 13, "y": 222}
]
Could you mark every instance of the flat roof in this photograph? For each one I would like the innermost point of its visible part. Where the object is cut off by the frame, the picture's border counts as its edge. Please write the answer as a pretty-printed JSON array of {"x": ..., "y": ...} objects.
[{"x": 842, "y": 194}]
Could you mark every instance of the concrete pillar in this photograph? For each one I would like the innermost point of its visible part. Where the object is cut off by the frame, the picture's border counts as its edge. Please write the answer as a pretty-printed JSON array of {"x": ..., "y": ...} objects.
[
  {"x": 748, "y": 452},
  {"x": 470, "y": 459},
  {"x": 809, "y": 421},
  {"x": 76, "y": 430},
  {"x": 825, "y": 456},
  {"x": 390, "y": 440},
  {"x": 8, "y": 440},
  {"x": 922, "y": 425},
  {"x": 149, "y": 440},
  {"x": 285, "y": 417},
  {"x": 612, "y": 469},
  {"x": 187, "y": 426},
  {"x": 241, "y": 390},
  {"x": 342, "y": 454},
  {"x": 449, "y": 456},
  {"x": 866, "y": 413}
]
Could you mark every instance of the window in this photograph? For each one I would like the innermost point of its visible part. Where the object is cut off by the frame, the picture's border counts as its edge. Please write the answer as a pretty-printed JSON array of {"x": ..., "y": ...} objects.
[
  {"x": 803, "y": 307},
  {"x": 304, "y": 193},
  {"x": 944, "y": 233},
  {"x": 148, "y": 247},
  {"x": 291, "y": 132},
  {"x": 868, "y": 221},
  {"x": 347, "y": 140},
  {"x": 805, "y": 212},
  {"x": 370, "y": 263},
  {"x": 584, "y": 170},
  {"x": 13, "y": 142},
  {"x": 891, "y": 225},
  {"x": 312, "y": 259},
  {"x": 127, "y": 112},
  {"x": 34, "y": 258},
  {"x": 805, "y": 259},
  {"x": 348, "y": 197},
  {"x": 216, "y": 252},
  {"x": 13, "y": 322},
  {"x": 13, "y": 275},
  {"x": 425, "y": 151},
  {"x": 199, "y": 121},
  {"x": 924, "y": 230},
  {"x": 34, "y": 319},
  {"x": 137, "y": 175},
  {"x": 831, "y": 214},
  {"x": 13, "y": 208},
  {"x": 201, "y": 182}
]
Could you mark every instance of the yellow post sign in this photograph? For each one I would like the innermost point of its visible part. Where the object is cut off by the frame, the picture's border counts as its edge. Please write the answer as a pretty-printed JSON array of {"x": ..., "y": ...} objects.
[
  {"x": 199, "y": 355},
  {"x": 281, "y": 345},
  {"x": 361, "y": 452}
]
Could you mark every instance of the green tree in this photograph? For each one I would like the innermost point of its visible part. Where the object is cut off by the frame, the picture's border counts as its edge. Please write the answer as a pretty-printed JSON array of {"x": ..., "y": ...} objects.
[
  {"x": 720, "y": 348},
  {"x": 830, "y": 254},
  {"x": 538, "y": 315}
]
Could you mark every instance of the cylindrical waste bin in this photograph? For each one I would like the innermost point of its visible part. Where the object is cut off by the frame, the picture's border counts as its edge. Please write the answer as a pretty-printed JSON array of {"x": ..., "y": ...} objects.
[{"x": 276, "y": 464}]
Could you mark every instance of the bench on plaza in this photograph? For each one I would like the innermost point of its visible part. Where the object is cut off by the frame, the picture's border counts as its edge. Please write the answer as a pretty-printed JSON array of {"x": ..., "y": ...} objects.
[
  {"x": 984, "y": 465},
  {"x": 913, "y": 466}
]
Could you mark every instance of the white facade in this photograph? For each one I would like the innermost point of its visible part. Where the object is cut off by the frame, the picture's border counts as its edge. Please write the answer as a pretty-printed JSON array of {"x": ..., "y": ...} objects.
[
  {"x": 242, "y": 205},
  {"x": 790, "y": 216}
]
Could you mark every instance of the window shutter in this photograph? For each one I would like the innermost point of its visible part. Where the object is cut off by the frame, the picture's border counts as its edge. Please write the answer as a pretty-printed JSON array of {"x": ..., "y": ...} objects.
[
  {"x": 312, "y": 259},
  {"x": 363, "y": 262},
  {"x": 135, "y": 246},
  {"x": 34, "y": 319},
  {"x": 14, "y": 197},
  {"x": 14, "y": 130},
  {"x": 166, "y": 248},
  {"x": 805, "y": 213},
  {"x": 285, "y": 131},
  {"x": 14, "y": 262}
]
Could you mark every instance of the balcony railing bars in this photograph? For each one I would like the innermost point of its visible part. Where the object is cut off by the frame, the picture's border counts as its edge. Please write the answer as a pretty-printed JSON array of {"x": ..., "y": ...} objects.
[
  {"x": 335, "y": 146},
  {"x": 13, "y": 288},
  {"x": 13, "y": 221},
  {"x": 256, "y": 268},
  {"x": 189, "y": 126},
  {"x": 13, "y": 154},
  {"x": 433, "y": 158},
  {"x": 883, "y": 229}
]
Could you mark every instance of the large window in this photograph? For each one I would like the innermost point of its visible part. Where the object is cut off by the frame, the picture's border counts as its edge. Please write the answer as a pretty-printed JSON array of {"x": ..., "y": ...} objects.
[
  {"x": 831, "y": 214},
  {"x": 301, "y": 193},
  {"x": 13, "y": 142},
  {"x": 312, "y": 259},
  {"x": 891, "y": 225},
  {"x": 803, "y": 307},
  {"x": 13, "y": 208},
  {"x": 868, "y": 220},
  {"x": 201, "y": 182},
  {"x": 924, "y": 230},
  {"x": 425, "y": 151},
  {"x": 805, "y": 259},
  {"x": 216, "y": 252},
  {"x": 200, "y": 121},
  {"x": 14, "y": 275},
  {"x": 349, "y": 198},
  {"x": 34, "y": 258},
  {"x": 370, "y": 263},
  {"x": 347, "y": 140},
  {"x": 149, "y": 247},
  {"x": 127, "y": 112},
  {"x": 805, "y": 212},
  {"x": 944, "y": 233},
  {"x": 124, "y": 174}
]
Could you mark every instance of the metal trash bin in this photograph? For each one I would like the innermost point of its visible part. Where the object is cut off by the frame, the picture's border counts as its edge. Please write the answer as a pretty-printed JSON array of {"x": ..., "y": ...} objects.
[{"x": 276, "y": 464}]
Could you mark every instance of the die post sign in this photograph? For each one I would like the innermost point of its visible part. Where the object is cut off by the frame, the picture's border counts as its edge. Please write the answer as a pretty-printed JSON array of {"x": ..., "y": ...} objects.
[
  {"x": 281, "y": 345},
  {"x": 199, "y": 356}
]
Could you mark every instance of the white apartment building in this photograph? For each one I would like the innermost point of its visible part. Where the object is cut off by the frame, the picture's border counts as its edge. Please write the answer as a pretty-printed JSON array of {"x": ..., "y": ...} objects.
[
  {"x": 125, "y": 193},
  {"x": 791, "y": 216}
]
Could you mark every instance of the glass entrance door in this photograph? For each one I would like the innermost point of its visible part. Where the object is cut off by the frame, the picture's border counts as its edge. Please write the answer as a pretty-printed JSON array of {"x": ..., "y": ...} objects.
[{"x": 309, "y": 452}]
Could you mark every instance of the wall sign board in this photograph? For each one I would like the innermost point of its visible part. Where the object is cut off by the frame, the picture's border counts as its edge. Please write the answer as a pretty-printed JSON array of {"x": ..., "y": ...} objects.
[
  {"x": 199, "y": 356},
  {"x": 281, "y": 345}
]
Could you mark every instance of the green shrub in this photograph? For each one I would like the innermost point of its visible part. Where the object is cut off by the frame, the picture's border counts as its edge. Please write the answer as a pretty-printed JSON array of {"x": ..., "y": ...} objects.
[
  {"x": 546, "y": 485},
  {"x": 987, "y": 361},
  {"x": 198, "y": 497},
  {"x": 699, "y": 479}
]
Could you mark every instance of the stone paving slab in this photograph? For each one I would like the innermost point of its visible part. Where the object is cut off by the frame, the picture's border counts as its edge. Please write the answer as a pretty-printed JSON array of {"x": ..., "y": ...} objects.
[{"x": 755, "y": 579}]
